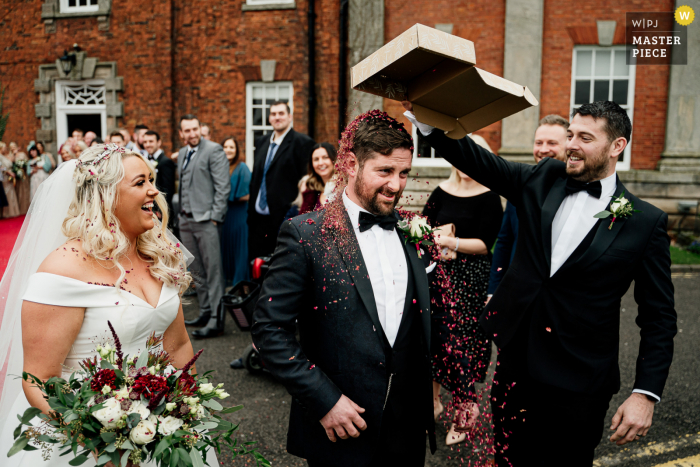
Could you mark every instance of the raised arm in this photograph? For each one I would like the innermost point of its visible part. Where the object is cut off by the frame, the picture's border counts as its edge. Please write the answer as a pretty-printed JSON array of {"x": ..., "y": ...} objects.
[{"x": 274, "y": 325}]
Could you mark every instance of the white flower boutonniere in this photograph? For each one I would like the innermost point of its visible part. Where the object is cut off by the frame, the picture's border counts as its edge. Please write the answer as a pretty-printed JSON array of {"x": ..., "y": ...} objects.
[
  {"x": 417, "y": 231},
  {"x": 619, "y": 207}
]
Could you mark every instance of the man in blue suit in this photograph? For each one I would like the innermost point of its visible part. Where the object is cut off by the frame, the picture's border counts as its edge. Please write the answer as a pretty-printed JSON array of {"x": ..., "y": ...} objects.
[{"x": 550, "y": 141}]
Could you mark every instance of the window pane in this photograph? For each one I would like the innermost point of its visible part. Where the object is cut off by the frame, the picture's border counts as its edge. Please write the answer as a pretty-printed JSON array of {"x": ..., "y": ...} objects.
[
  {"x": 83, "y": 2},
  {"x": 620, "y": 67},
  {"x": 424, "y": 149},
  {"x": 602, "y": 63},
  {"x": 71, "y": 3},
  {"x": 582, "y": 93},
  {"x": 284, "y": 93},
  {"x": 257, "y": 92},
  {"x": 93, "y": 2},
  {"x": 620, "y": 91},
  {"x": 601, "y": 90},
  {"x": 257, "y": 116},
  {"x": 257, "y": 102},
  {"x": 583, "y": 63}
]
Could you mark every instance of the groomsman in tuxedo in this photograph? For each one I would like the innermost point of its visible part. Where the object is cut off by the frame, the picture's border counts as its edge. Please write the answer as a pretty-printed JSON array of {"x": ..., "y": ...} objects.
[
  {"x": 359, "y": 294},
  {"x": 165, "y": 169},
  {"x": 555, "y": 317},
  {"x": 281, "y": 160},
  {"x": 204, "y": 190}
]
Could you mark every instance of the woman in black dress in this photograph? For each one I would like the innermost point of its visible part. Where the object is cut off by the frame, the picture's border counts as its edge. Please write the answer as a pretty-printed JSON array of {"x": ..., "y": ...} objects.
[{"x": 461, "y": 352}]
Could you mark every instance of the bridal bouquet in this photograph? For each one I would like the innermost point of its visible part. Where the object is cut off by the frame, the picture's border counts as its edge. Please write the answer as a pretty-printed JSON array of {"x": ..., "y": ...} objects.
[
  {"x": 19, "y": 169},
  {"x": 120, "y": 408}
]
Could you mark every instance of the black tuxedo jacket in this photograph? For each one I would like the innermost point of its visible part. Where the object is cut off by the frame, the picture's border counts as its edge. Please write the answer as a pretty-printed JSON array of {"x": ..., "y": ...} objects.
[
  {"x": 286, "y": 169},
  {"x": 573, "y": 335},
  {"x": 165, "y": 178},
  {"x": 319, "y": 280}
]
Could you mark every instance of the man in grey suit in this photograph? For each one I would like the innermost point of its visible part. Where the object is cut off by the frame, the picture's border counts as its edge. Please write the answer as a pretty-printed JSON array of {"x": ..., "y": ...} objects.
[{"x": 204, "y": 191}]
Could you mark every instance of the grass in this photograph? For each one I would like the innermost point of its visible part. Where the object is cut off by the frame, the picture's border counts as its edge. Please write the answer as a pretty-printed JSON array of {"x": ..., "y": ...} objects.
[{"x": 679, "y": 256}]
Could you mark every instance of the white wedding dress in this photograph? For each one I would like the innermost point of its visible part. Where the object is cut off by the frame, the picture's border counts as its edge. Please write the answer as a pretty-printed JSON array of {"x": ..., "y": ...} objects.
[{"x": 133, "y": 319}]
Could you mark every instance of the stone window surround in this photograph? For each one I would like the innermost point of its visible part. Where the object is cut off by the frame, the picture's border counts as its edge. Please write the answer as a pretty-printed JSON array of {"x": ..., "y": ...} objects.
[
  {"x": 262, "y": 5},
  {"x": 51, "y": 11}
]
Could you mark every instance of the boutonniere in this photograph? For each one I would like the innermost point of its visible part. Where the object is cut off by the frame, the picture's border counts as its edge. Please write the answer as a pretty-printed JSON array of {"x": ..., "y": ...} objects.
[
  {"x": 619, "y": 207},
  {"x": 417, "y": 231}
]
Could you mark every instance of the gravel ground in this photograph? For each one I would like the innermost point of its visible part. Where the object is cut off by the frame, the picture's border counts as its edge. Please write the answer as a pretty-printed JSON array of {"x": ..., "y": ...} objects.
[{"x": 265, "y": 416}]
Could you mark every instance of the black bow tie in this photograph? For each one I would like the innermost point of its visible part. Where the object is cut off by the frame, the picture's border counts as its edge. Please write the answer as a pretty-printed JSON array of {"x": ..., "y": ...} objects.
[
  {"x": 367, "y": 220},
  {"x": 574, "y": 186}
]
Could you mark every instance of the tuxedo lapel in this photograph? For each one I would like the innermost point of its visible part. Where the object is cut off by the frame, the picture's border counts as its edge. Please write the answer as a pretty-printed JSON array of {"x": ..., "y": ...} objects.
[
  {"x": 350, "y": 253},
  {"x": 284, "y": 147},
  {"x": 420, "y": 279},
  {"x": 603, "y": 236},
  {"x": 551, "y": 205}
]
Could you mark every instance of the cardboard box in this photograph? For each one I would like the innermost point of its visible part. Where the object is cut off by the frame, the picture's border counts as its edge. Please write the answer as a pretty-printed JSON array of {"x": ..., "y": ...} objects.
[{"x": 436, "y": 72}]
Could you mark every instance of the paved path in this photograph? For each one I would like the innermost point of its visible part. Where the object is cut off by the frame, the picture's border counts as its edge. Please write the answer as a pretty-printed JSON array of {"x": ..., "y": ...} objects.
[{"x": 675, "y": 435}]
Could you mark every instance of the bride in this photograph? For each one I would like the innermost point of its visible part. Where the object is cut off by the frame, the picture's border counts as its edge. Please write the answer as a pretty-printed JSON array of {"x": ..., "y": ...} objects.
[{"x": 90, "y": 250}]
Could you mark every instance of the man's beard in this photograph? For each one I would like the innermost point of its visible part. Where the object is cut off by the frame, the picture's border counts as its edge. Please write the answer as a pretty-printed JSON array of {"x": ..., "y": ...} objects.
[
  {"x": 594, "y": 167},
  {"x": 368, "y": 197}
]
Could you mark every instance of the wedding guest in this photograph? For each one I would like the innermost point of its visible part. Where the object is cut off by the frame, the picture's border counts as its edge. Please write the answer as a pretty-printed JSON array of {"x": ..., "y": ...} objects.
[
  {"x": 14, "y": 149},
  {"x": 321, "y": 170},
  {"x": 41, "y": 167},
  {"x": 137, "y": 139},
  {"x": 42, "y": 150},
  {"x": 79, "y": 147},
  {"x": 78, "y": 134},
  {"x": 6, "y": 159},
  {"x": 281, "y": 159},
  {"x": 556, "y": 317},
  {"x": 97, "y": 141},
  {"x": 458, "y": 344},
  {"x": 117, "y": 137},
  {"x": 89, "y": 138},
  {"x": 128, "y": 144},
  {"x": 67, "y": 153},
  {"x": 206, "y": 132},
  {"x": 165, "y": 170},
  {"x": 204, "y": 191},
  {"x": 550, "y": 141},
  {"x": 234, "y": 239},
  {"x": 22, "y": 187}
]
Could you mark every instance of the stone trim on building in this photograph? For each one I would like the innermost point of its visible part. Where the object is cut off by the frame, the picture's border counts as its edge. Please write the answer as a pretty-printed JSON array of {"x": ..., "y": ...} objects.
[
  {"x": 268, "y": 6},
  {"x": 51, "y": 11},
  {"x": 86, "y": 68}
]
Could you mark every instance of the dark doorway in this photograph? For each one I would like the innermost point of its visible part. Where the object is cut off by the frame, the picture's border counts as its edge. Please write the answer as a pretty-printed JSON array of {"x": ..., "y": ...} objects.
[{"x": 85, "y": 122}]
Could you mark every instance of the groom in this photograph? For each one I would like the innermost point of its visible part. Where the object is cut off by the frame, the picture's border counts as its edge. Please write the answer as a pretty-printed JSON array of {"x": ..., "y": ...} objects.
[
  {"x": 555, "y": 316},
  {"x": 358, "y": 292}
]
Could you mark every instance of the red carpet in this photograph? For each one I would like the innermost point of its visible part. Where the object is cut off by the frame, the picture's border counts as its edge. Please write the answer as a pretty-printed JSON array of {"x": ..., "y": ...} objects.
[{"x": 9, "y": 229}]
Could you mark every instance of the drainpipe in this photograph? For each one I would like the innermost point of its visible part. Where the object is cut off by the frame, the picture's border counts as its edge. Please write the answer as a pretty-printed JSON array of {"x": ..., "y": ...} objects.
[
  {"x": 174, "y": 140},
  {"x": 312, "y": 67},
  {"x": 343, "y": 67}
]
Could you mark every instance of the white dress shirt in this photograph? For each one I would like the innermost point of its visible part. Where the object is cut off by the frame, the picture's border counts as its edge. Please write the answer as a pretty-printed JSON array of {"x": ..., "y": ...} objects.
[
  {"x": 573, "y": 221},
  {"x": 278, "y": 142},
  {"x": 387, "y": 267}
]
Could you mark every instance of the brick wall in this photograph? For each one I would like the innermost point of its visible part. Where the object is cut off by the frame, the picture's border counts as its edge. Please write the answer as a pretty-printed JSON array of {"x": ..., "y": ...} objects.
[{"x": 572, "y": 23}]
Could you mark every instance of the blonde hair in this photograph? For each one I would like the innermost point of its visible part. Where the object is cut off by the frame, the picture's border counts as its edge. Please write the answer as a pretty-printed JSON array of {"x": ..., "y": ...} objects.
[
  {"x": 91, "y": 218},
  {"x": 454, "y": 176}
]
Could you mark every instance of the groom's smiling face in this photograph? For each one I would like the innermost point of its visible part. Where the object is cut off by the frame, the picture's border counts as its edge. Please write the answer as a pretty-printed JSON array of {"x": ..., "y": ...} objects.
[{"x": 378, "y": 184}]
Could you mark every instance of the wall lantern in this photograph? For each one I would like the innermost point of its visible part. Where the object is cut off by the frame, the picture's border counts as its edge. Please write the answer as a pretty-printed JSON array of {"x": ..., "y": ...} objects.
[{"x": 68, "y": 59}]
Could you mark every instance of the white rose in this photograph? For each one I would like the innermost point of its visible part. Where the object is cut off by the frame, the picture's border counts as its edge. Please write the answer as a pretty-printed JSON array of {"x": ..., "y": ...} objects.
[
  {"x": 170, "y": 406},
  {"x": 614, "y": 207},
  {"x": 143, "y": 433},
  {"x": 106, "y": 389},
  {"x": 416, "y": 224},
  {"x": 624, "y": 201},
  {"x": 206, "y": 388},
  {"x": 169, "y": 425},
  {"x": 139, "y": 408},
  {"x": 110, "y": 414}
]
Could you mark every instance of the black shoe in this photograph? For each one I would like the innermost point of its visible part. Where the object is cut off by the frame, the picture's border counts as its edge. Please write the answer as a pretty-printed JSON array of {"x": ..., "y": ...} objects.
[
  {"x": 199, "y": 321},
  {"x": 207, "y": 332},
  {"x": 237, "y": 364}
]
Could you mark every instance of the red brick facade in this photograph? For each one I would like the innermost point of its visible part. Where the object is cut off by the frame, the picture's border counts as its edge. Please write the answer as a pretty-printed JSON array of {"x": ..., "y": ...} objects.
[{"x": 217, "y": 48}]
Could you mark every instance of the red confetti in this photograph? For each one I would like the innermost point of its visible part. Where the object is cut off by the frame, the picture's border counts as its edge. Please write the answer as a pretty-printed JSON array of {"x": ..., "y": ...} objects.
[{"x": 548, "y": 329}]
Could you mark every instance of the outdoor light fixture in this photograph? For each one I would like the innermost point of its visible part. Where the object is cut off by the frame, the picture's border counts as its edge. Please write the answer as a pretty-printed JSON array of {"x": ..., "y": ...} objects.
[{"x": 68, "y": 59}]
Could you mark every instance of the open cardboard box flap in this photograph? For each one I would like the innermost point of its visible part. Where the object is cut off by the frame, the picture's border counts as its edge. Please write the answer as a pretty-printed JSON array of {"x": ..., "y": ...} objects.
[{"x": 436, "y": 72}]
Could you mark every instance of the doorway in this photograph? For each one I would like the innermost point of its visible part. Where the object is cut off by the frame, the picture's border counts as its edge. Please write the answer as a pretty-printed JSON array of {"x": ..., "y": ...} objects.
[
  {"x": 84, "y": 122},
  {"x": 80, "y": 104}
]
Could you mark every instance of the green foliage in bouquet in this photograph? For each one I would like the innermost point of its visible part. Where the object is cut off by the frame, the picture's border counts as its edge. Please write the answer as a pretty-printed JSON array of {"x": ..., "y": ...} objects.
[{"x": 122, "y": 409}]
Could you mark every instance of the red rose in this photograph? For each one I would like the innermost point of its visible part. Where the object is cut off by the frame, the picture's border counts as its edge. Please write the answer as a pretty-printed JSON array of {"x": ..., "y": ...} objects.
[
  {"x": 151, "y": 387},
  {"x": 103, "y": 378}
]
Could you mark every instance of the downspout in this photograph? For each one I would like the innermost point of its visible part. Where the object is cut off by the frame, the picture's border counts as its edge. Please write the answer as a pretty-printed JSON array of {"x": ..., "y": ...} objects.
[
  {"x": 312, "y": 67},
  {"x": 343, "y": 67},
  {"x": 173, "y": 110}
]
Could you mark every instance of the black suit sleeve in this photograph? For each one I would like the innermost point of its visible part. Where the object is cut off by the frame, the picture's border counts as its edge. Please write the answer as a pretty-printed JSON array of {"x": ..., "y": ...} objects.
[
  {"x": 653, "y": 292},
  {"x": 503, "y": 251},
  {"x": 166, "y": 179},
  {"x": 274, "y": 324},
  {"x": 504, "y": 177}
]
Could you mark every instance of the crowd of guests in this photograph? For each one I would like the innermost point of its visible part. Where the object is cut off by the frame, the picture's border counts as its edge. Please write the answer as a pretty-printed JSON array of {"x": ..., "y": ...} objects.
[{"x": 21, "y": 174}]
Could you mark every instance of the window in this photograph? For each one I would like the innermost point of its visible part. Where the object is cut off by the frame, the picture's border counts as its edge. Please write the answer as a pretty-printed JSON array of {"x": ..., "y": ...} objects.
[
  {"x": 80, "y": 104},
  {"x": 259, "y": 96},
  {"x": 78, "y": 6},
  {"x": 602, "y": 73},
  {"x": 423, "y": 154}
]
